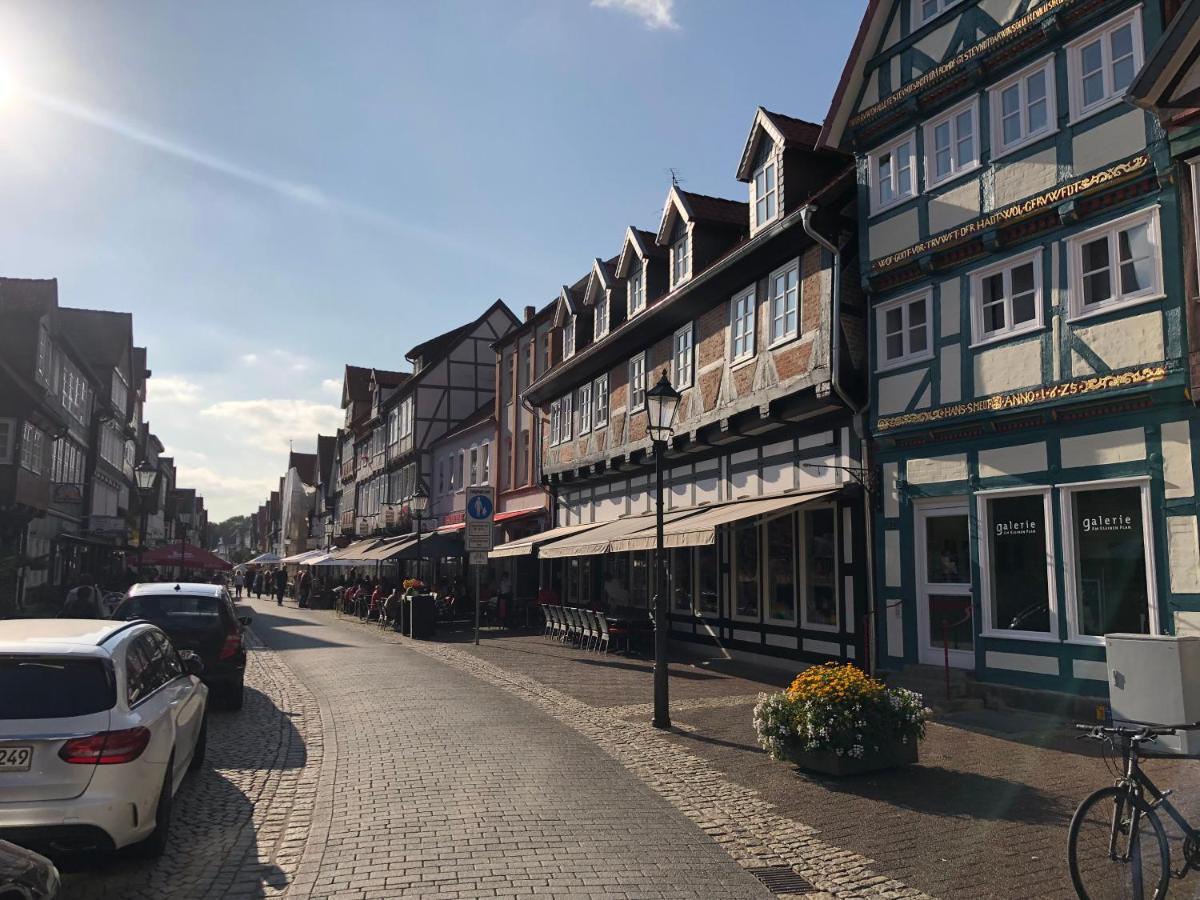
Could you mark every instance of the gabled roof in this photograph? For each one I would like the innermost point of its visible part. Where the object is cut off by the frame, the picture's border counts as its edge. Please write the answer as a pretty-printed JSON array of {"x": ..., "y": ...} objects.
[
  {"x": 326, "y": 451},
  {"x": 356, "y": 385},
  {"x": 436, "y": 346},
  {"x": 640, "y": 243},
  {"x": 570, "y": 299},
  {"x": 602, "y": 278},
  {"x": 305, "y": 465},
  {"x": 38, "y": 295},
  {"x": 703, "y": 209},
  {"x": 481, "y": 416},
  {"x": 388, "y": 378},
  {"x": 103, "y": 337},
  {"x": 784, "y": 130},
  {"x": 870, "y": 30},
  {"x": 1168, "y": 80}
]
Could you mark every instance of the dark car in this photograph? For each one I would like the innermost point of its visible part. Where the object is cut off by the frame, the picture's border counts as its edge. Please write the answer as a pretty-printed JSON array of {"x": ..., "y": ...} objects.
[
  {"x": 25, "y": 875},
  {"x": 200, "y": 618}
]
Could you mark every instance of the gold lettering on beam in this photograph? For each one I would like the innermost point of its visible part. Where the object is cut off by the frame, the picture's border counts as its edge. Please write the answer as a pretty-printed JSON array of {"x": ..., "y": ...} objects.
[
  {"x": 1018, "y": 399},
  {"x": 1005, "y": 34},
  {"x": 1017, "y": 211}
]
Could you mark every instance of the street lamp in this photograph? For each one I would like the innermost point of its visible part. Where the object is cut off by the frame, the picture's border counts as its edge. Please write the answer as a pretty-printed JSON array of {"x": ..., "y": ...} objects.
[
  {"x": 417, "y": 504},
  {"x": 145, "y": 475},
  {"x": 662, "y": 402}
]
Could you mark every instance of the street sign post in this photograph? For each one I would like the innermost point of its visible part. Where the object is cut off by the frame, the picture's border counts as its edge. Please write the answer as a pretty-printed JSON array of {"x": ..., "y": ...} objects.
[{"x": 479, "y": 538}]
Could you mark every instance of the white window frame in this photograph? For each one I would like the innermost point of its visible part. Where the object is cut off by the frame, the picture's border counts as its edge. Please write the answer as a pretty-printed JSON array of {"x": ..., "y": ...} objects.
[
  {"x": 683, "y": 357},
  {"x": 781, "y": 337},
  {"x": 1075, "y": 307},
  {"x": 802, "y": 553},
  {"x": 9, "y": 441},
  {"x": 600, "y": 315},
  {"x": 750, "y": 294},
  {"x": 978, "y": 338},
  {"x": 988, "y": 628},
  {"x": 877, "y": 205},
  {"x": 951, "y": 117},
  {"x": 44, "y": 369},
  {"x": 637, "y": 364},
  {"x": 918, "y": 17},
  {"x": 567, "y": 416},
  {"x": 772, "y": 194},
  {"x": 929, "y": 649},
  {"x": 555, "y": 423},
  {"x": 883, "y": 364},
  {"x": 485, "y": 463},
  {"x": 1020, "y": 80},
  {"x": 585, "y": 408},
  {"x": 33, "y": 448},
  {"x": 568, "y": 337},
  {"x": 797, "y": 571},
  {"x": 635, "y": 287},
  {"x": 1067, "y": 503},
  {"x": 681, "y": 271},
  {"x": 1103, "y": 33},
  {"x": 600, "y": 399}
]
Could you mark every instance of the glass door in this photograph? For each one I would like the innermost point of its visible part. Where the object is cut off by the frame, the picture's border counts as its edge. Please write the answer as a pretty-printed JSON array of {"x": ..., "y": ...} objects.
[{"x": 945, "y": 619}]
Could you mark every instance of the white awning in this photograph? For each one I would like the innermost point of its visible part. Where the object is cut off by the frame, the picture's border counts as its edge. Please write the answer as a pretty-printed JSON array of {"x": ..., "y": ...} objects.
[
  {"x": 301, "y": 557},
  {"x": 357, "y": 550},
  {"x": 526, "y": 545},
  {"x": 600, "y": 539},
  {"x": 326, "y": 559}
]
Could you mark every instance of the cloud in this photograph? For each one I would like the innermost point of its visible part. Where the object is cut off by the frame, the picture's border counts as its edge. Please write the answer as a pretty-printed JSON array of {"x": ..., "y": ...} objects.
[
  {"x": 224, "y": 495},
  {"x": 270, "y": 424},
  {"x": 249, "y": 358},
  {"x": 332, "y": 386},
  {"x": 654, "y": 14},
  {"x": 170, "y": 391}
]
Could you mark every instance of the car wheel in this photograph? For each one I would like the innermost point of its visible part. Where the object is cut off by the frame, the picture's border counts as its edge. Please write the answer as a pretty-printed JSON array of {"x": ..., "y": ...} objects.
[
  {"x": 235, "y": 695},
  {"x": 201, "y": 745},
  {"x": 154, "y": 846}
]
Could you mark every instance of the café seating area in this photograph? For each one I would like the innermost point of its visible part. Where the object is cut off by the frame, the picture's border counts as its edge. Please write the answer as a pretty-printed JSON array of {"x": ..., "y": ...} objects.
[{"x": 585, "y": 628}]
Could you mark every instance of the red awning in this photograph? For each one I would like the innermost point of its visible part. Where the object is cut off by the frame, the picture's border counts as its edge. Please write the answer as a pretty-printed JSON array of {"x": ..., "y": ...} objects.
[
  {"x": 518, "y": 513},
  {"x": 189, "y": 556}
]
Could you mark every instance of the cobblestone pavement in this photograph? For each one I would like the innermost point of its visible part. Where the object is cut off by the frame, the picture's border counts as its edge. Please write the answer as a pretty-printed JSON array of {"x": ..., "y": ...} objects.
[
  {"x": 441, "y": 780},
  {"x": 241, "y": 822}
]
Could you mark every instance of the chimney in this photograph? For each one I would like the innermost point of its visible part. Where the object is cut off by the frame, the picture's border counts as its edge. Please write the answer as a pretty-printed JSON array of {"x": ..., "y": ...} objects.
[{"x": 530, "y": 312}]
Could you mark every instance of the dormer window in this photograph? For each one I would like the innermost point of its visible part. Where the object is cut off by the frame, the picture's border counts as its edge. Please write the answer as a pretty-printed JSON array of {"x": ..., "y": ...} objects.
[
  {"x": 766, "y": 194},
  {"x": 601, "y": 314},
  {"x": 568, "y": 338},
  {"x": 681, "y": 259},
  {"x": 636, "y": 285}
]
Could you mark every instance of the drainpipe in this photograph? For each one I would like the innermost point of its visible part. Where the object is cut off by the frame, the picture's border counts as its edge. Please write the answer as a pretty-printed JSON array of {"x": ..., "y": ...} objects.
[{"x": 858, "y": 411}]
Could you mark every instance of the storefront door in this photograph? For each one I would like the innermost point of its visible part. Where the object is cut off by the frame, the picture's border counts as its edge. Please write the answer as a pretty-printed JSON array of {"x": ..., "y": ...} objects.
[{"x": 945, "y": 624}]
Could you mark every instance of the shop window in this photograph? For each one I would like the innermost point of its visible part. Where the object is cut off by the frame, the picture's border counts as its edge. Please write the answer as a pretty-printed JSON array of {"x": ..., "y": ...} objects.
[
  {"x": 708, "y": 581},
  {"x": 1116, "y": 264},
  {"x": 904, "y": 331},
  {"x": 1007, "y": 298},
  {"x": 681, "y": 579},
  {"x": 745, "y": 572},
  {"x": 614, "y": 573},
  {"x": 892, "y": 173},
  {"x": 1103, "y": 63},
  {"x": 1023, "y": 108},
  {"x": 952, "y": 144},
  {"x": 820, "y": 568},
  {"x": 1107, "y": 559},
  {"x": 639, "y": 580},
  {"x": 1016, "y": 564},
  {"x": 781, "y": 570}
]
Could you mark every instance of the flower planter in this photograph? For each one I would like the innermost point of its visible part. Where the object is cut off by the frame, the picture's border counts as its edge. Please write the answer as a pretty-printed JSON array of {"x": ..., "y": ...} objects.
[{"x": 829, "y": 763}]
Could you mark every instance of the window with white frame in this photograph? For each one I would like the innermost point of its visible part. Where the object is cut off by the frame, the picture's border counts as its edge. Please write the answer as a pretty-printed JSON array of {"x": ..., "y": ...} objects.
[
  {"x": 952, "y": 143},
  {"x": 924, "y": 10},
  {"x": 1103, "y": 63},
  {"x": 780, "y": 564},
  {"x": 120, "y": 392},
  {"x": 741, "y": 325},
  {"x": 1017, "y": 558},
  {"x": 903, "y": 327},
  {"x": 784, "y": 288},
  {"x": 636, "y": 288},
  {"x": 820, "y": 582},
  {"x": 8, "y": 436},
  {"x": 555, "y": 422},
  {"x": 585, "y": 408},
  {"x": 45, "y": 357},
  {"x": 33, "y": 448},
  {"x": 1116, "y": 263},
  {"x": 1007, "y": 298},
  {"x": 406, "y": 417},
  {"x": 682, "y": 357},
  {"x": 1023, "y": 108},
  {"x": 601, "y": 315},
  {"x": 567, "y": 417},
  {"x": 681, "y": 258},
  {"x": 892, "y": 174},
  {"x": 452, "y": 466},
  {"x": 766, "y": 194},
  {"x": 600, "y": 398},
  {"x": 474, "y": 465},
  {"x": 485, "y": 463},
  {"x": 746, "y": 571},
  {"x": 568, "y": 337},
  {"x": 637, "y": 382}
]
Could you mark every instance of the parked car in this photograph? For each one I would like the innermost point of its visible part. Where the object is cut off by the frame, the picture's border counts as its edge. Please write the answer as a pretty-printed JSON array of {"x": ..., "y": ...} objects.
[
  {"x": 25, "y": 875},
  {"x": 201, "y": 618},
  {"x": 99, "y": 723}
]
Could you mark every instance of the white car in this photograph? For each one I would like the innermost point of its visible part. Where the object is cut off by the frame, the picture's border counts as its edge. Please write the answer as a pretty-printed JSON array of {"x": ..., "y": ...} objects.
[{"x": 99, "y": 723}]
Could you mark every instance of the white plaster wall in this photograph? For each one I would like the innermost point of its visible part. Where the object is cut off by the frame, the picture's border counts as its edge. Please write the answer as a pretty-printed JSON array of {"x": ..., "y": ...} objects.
[
  {"x": 895, "y": 628},
  {"x": 893, "y": 33},
  {"x": 1003, "y": 11},
  {"x": 825, "y": 647},
  {"x": 1021, "y": 662},
  {"x": 1014, "y": 460},
  {"x": 1008, "y": 367},
  {"x": 1092, "y": 669},
  {"x": 936, "y": 43},
  {"x": 1183, "y": 552},
  {"x": 937, "y": 469},
  {"x": 1103, "y": 449},
  {"x": 1113, "y": 140},
  {"x": 894, "y": 234},
  {"x": 1123, "y": 343},
  {"x": 955, "y": 206},
  {"x": 891, "y": 496},
  {"x": 1023, "y": 178},
  {"x": 891, "y": 557},
  {"x": 950, "y": 304},
  {"x": 950, "y": 381},
  {"x": 895, "y": 391},
  {"x": 1177, "y": 460}
]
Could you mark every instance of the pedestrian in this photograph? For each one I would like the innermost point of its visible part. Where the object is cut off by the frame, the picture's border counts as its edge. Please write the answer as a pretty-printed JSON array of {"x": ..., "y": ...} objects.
[
  {"x": 303, "y": 588},
  {"x": 238, "y": 581},
  {"x": 84, "y": 601},
  {"x": 258, "y": 584},
  {"x": 280, "y": 585}
]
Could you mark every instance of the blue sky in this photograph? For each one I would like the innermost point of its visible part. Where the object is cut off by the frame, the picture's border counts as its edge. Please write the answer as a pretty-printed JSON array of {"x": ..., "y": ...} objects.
[{"x": 274, "y": 189}]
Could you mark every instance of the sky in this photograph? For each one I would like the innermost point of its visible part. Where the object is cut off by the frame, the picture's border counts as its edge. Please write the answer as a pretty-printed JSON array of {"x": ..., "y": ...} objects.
[{"x": 275, "y": 189}]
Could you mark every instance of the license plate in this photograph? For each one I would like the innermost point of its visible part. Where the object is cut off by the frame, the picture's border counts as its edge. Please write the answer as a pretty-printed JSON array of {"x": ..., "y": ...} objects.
[{"x": 15, "y": 758}]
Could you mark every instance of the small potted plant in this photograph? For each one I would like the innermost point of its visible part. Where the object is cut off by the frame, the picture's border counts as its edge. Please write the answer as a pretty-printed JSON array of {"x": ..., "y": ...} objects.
[
  {"x": 837, "y": 720},
  {"x": 413, "y": 586}
]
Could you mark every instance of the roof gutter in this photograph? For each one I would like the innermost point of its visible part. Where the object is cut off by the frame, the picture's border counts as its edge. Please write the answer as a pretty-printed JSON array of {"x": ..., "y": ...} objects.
[{"x": 835, "y": 356}]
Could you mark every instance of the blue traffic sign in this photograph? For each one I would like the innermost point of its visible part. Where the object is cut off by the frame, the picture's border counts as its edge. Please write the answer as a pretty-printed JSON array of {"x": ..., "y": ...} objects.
[{"x": 480, "y": 507}]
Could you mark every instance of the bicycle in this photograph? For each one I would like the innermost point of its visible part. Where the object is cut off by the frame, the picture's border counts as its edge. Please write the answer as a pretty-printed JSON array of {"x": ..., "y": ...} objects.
[{"x": 1116, "y": 845}]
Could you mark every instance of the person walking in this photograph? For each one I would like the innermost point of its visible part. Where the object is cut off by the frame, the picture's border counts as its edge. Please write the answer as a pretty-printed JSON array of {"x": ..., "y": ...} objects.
[
  {"x": 238, "y": 581},
  {"x": 303, "y": 588},
  {"x": 84, "y": 601},
  {"x": 280, "y": 585}
]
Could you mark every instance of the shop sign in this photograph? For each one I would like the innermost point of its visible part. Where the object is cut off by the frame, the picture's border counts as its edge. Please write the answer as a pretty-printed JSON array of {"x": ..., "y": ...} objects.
[
  {"x": 1016, "y": 527},
  {"x": 479, "y": 510},
  {"x": 1121, "y": 522},
  {"x": 68, "y": 493}
]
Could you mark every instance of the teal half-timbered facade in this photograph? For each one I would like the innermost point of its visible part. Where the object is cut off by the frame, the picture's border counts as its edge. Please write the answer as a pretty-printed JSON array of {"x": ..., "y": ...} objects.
[{"x": 1029, "y": 408}]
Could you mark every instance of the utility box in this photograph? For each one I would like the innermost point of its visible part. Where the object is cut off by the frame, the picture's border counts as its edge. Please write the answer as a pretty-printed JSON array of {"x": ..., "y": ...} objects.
[{"x": 1155, "y": 679}]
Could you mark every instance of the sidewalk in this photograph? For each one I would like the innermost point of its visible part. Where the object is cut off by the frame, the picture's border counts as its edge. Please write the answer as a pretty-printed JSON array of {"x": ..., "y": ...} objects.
[{"x": 984, "y": 813}]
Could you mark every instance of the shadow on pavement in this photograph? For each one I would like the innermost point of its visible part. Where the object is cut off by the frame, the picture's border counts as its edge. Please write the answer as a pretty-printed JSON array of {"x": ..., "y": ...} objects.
[
  {"x": 248, "y": 754},
  {"x": 273, "y": 627}
]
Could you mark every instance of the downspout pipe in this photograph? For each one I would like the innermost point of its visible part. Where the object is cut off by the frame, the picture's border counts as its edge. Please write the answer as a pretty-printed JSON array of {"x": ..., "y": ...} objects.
[{"x": 858, "y": 410}]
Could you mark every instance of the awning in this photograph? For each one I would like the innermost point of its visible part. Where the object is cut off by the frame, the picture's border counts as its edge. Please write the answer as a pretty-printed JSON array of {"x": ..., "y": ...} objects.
[
  {"x": 388, "y": 549},
  {"x": 301, "y": 557},
  {"x": 526, "y": 545},
  {"x": 356, "y": 550},
  {"x": 326, "y": 559},
  {"x": 518, "y": 513},
  {"x": 600, "y": 538},
  {"x": 700, "y": 528},
  {"x": 451, "y": 529},
  {"x": 263, "y": 558}
]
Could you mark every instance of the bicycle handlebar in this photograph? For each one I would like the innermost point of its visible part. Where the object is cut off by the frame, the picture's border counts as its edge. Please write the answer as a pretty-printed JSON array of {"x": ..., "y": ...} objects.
[{"x": 1142, "y": 731}]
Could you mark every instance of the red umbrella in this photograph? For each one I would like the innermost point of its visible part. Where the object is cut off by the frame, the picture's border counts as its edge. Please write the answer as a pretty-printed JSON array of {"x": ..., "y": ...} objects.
[{"x": 187, "y": 555}]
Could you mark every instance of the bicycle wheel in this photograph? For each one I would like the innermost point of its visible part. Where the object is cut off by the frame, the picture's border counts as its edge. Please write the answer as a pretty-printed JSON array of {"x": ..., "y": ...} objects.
[{"x": 1117, "y": 849}]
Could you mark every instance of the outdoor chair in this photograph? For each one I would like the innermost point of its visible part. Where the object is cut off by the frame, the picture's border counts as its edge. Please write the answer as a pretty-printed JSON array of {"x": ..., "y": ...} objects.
[
  {"x": 559, "y": 630},
  {"x": 587, "y": 632},
  {"x": 602, "y": 632},
  {"x": 548, "y": 616},
  {"x": 574, "y": 625}
]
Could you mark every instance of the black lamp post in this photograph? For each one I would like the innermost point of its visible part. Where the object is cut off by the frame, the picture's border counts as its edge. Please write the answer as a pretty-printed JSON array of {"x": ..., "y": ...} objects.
[
  {"x": 145, "y": 475},
  {"x": 417, "y": 504},
  {"x": 662, "y": 402}
]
